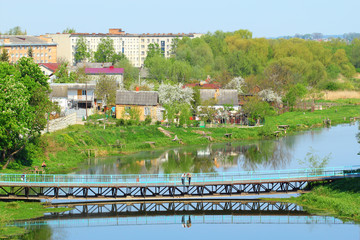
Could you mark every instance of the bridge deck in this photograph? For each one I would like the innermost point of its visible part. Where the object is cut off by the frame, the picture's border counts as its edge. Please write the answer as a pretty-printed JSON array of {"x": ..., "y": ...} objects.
[{"x": 17, "y": 186}]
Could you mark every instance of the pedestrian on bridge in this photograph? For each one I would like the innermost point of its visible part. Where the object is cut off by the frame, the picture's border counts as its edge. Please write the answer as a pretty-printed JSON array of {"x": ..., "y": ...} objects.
[
  {"x": 189, "y": 178},
  {"x": 183, "y": 176}
]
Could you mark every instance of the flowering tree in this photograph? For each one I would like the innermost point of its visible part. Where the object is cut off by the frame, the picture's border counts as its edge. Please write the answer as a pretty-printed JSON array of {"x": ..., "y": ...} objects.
[
  {"x": 169, "y": 94},
  {"x": 269, "y": 95},
  {"x": 143, "y": 86},
  {"x": 236, "y": 83}
]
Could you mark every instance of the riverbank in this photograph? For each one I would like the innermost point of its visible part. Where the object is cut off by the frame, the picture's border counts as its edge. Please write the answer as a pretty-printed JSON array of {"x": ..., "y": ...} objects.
[
  {"x": 12, "y": 211},
  {"x": 65, "y": 150},
  {"x": 340, "y": 199}
]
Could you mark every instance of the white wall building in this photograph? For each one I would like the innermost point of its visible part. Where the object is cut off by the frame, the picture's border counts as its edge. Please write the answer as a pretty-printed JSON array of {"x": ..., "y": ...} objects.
[{"x": 134, "y": 46}]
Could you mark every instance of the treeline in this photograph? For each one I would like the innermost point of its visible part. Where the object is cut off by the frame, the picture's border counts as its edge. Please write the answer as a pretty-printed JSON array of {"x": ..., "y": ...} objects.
[{"x": 267, "y": 63}]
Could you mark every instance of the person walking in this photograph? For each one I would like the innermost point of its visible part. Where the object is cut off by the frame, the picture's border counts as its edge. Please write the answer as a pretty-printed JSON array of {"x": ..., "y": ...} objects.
[
  {"x": 43, "y": 165},
  {"x": 189, "y": 178},
  {"x": 183, "y": 179}
]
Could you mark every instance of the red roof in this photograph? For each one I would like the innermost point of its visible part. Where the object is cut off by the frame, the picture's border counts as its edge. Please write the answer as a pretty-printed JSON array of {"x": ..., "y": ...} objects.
[
  {"x": 110, "y": 70},
  {"x": 203, "y": 86},
  {"x": 51, "y": 66}
]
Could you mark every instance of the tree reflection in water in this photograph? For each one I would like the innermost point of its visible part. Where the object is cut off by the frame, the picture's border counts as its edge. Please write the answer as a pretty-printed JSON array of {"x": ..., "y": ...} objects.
[
  {"x": 41, "y": 233},
  {"x": 234, "y": 156}
]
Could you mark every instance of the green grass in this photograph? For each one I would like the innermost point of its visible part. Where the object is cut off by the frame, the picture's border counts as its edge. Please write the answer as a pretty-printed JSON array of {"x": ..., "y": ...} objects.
[
  {"x": 11, "y": 211},
  {"x": 340, "y": 198}
]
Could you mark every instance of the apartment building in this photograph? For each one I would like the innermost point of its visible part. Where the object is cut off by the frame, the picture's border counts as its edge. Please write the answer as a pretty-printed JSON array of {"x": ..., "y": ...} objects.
[
  {"x": 134, "y": 46},
  {"x": 43, "y": 48}
]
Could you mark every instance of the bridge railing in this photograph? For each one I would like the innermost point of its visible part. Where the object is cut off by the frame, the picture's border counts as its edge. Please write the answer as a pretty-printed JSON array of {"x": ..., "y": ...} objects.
[{"x": 175, "y": 179}]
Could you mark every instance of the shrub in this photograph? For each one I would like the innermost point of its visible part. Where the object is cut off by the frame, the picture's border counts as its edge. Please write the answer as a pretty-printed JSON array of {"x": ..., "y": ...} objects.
[
  {"x": 147, "y": 120},
  {"x": 120, "y": 122}
]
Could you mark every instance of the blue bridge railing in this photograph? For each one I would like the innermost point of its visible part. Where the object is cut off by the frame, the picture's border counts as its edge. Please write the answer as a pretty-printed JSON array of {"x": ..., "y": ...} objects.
[{"x": 175, "y": 179}]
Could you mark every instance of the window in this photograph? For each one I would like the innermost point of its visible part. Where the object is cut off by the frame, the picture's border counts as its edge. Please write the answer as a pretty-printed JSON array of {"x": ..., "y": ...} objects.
[
  {"x": 83, "y": 92},
  {"x": 49, "y": 49},
  {"x": 49, "y": 57},
  {"x": 147, "y": 111}
]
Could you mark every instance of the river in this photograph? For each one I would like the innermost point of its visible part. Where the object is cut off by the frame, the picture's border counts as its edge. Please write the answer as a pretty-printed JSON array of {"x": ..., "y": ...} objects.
[{"x": 330, "y": 147}]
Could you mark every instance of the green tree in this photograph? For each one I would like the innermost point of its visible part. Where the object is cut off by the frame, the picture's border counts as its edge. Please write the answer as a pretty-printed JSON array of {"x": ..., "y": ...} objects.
[
  {"x": 23, "y": 122},
  {"x": 69, "y": 30},
  {"x": 105, "y": 51},
  {"x": 294, "y": 94},
  {"x": 81, "y": 50},
  {"x": 257, "y": 109},
  {"x": 16, "y": 31},
  {"x": 131, "y": 73},
  {"x": 106, "y": 89},
  {"x": 4, "y": 56},
  {"x": 63, "y": 75},
  {"x": 30, "y": 52}
]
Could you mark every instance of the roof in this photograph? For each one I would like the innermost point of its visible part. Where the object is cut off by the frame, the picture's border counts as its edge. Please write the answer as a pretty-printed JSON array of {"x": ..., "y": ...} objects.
[
  {"x": 109, "y": 70},
  {"x": 75, "y": 86},
  {"x": 16, "y": 40},
  {"x": 203, "y": 86},
  {"x": 59, "y": 91},
  {"x": 142, "y": 98},
  {"x": 223, "y": 96},
  {"x": 51, "y": 66}
]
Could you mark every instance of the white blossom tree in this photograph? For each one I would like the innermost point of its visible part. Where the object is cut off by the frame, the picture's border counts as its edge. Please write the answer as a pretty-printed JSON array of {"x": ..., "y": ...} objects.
[
  {"x": 169, "y": 94},
  {"x": 236, "y": 83},
  {"x": 269, "y": 95}
]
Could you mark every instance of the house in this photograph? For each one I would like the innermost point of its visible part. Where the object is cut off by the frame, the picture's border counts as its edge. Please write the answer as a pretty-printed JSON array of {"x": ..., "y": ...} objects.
[
  {"x": 49, "y": 68},
  {"x": 143, "y": 103},
  {"x": 97, "y": 73},
  {"x": 74, "y": 97},
  {"x": 221, "y": 97}
]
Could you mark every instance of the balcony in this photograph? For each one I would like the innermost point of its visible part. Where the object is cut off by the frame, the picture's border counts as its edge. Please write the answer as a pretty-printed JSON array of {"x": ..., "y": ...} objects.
[{"x": 81, "y": 98}]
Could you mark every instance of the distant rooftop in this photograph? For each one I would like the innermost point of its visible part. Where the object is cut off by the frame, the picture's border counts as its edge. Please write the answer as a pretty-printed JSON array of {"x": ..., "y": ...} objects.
[
  {"x": 119, "y": 31},
  {"x": 110, "y": 70},
  {"x": 9, "y": 40}
]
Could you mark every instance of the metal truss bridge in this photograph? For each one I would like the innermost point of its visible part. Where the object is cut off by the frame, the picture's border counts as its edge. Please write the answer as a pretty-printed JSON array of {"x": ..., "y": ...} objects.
[
  {"x": 177, "y": 212},
  {"x": 165, "y": 186}
]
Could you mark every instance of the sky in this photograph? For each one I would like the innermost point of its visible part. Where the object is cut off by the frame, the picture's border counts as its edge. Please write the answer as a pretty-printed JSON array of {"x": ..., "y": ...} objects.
[{"x": 264, "y": 18}]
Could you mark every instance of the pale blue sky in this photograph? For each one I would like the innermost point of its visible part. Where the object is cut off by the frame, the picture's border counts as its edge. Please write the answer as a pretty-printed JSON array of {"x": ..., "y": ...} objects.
[{"x": 265, "y": 18}]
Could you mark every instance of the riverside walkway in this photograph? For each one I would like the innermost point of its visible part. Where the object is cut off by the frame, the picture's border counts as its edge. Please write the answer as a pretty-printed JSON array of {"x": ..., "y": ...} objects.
[{"x": 165, "y": 186}]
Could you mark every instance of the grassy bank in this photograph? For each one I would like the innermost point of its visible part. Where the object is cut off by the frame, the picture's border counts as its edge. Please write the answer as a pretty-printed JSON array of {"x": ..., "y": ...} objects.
[
  {"x": 340, "y": 199},
  {"x": 11, "y": 211},
  {"x": 66, "y": 149}
]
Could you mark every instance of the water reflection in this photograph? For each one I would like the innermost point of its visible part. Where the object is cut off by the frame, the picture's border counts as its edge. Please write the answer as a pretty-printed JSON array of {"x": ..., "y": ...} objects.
[{"x": 284, "y": 153}]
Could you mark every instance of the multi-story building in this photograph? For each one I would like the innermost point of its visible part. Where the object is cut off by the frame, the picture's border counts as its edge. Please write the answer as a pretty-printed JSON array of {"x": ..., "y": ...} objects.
[
  {"x": 17, "y": 46},
  {"x": 134, "y": 46}
]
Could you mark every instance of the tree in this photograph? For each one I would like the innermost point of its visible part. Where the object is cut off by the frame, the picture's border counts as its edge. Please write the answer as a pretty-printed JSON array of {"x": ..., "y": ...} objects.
[
  {"x": 255, "y": 109},
  {"x": 30, "y": 52},
  {"x": 16, "y": 31},
  {"x": 169, "y": 94},
  {"x": 295, "y": 93},
  {"x": 105, "y": 51},
  {"x": 81, "y": 50},
  {"x": 106, "y": 89},
  {"x": 25, "y": 101},
  {"x": 236, "y": 83},
  {"x": 131, "y": 73},
  {"x": 4, "y": 56},
  {"x": 14, "y": 119},
  {"x": 63, "y": 75},
  {"x": 69, "y": 30}
]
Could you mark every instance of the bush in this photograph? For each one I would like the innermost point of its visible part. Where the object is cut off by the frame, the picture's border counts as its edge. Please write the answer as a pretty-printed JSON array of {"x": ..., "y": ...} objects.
[
  {"x": 331, "y": 86},
  {"x": 158, "y": 122},
  {"x": 14, "y": 166},
  {"x": 147, "y": 120},
  {"x": 120, "y": 122}
]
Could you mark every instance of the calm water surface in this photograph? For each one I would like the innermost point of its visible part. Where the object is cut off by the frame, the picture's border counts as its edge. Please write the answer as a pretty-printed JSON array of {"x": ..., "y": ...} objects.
[{"x": 339, "y": 143}]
